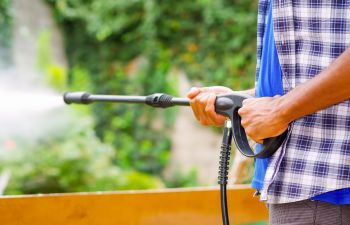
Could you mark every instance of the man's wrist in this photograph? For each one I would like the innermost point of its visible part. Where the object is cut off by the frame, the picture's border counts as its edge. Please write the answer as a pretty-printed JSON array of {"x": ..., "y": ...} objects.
[
  {"x": 250, "y": 92},
  {"x": 283, "y": 110}
]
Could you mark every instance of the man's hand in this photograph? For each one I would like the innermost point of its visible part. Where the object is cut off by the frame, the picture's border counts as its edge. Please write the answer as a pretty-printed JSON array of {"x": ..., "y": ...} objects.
[
  {"x": 261, "y": 118},
  {"x": 202, "y": 102}
]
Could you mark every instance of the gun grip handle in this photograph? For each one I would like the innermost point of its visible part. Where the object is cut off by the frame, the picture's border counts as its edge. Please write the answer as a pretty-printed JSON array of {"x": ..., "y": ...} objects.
[{"x": 228, "y": 105}]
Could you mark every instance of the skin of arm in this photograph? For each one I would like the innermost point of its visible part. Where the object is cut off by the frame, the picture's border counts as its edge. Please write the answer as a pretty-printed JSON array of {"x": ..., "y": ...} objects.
[{"x": 270, "y": 116}]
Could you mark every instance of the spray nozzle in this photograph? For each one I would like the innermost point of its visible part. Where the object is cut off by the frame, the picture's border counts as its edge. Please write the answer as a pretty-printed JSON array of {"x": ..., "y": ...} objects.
[{"x": 76, "y": 97}]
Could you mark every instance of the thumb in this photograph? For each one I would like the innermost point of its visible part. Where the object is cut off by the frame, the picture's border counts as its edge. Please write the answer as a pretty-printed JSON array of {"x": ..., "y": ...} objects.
[{"x": 194, "y": 91}]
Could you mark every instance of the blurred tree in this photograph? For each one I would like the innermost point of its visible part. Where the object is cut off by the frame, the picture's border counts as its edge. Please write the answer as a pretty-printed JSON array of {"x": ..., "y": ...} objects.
[
  {"x": 5, "y": 22},
  {"x": 69, "y": 161},
  {"x": 55, "y": 75},
  {"x": 5, "y": 32}
]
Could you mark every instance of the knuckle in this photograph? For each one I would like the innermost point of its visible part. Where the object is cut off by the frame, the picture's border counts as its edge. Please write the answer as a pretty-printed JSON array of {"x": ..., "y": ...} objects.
[
  {"x": 246, "y": 101},
  {"x": 241, "y": 111},
  {"x": 202, "y": 89},
  {"x": 249, "y": 132},
  {"x": 203, "y": 101},
  {"x": 193, "y": 107},
  {"x": 204, "y": 122},
  {"x": 244, "y": 122},
  {"x": 196, "y": 116},
  {"x": 209, "y": 110},
  {"x": 220, "y": 121},
  {"x": 195, "y": 102}
]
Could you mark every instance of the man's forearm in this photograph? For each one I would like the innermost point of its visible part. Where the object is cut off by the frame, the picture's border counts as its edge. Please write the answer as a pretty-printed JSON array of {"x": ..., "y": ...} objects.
[{"x": 331, "y": 86}]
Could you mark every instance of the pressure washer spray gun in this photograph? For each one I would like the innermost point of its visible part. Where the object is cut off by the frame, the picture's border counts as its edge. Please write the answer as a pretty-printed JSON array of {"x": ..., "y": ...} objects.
[{"x": 227, "y": 105}]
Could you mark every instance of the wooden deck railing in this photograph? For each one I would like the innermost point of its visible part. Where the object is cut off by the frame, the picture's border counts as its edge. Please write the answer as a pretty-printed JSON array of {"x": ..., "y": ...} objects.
[{"x": 193, "y": 206}]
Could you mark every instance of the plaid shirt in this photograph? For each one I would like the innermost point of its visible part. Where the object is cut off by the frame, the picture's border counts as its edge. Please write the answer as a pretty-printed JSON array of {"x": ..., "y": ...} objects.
[{"x": 315, "y": 158}]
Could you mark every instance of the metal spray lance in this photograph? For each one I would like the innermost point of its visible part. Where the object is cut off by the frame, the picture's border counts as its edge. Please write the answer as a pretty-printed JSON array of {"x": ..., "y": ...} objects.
[{"x": 226, "y": 104}]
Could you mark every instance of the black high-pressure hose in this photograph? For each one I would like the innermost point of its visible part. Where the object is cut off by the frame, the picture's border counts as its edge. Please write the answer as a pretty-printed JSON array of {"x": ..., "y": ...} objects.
[
  {"x": 226, "y": 105},
  {"x": 223, "y": 170}
]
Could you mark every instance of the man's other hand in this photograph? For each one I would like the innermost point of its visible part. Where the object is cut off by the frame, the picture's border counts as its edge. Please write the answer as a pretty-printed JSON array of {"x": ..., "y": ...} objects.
[{"x": 263, "y": 118}]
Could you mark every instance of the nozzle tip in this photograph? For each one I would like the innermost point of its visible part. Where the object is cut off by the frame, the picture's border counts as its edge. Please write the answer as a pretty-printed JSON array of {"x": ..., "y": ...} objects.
[{"x": 76, "y": 97}]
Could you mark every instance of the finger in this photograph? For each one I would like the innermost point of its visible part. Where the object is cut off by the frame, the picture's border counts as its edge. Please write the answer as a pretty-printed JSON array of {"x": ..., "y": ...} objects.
[
  {"x": 251, "y": 135},
  {"x": 194, "y": 91},
  {"x": 254, "y": 136},
  {"x": 211, "y": 102},
  {"x": 198, "y": 104},
  {"x": 206, "y": 89},
  {"x": 204, "y": 116},
  {"x": 241, "y": 111},
  {"x": 259, "y": 141},
  {"x": 194, "y": 107},
  {"x": 210, "y": 110},
  {"x": 248, "y": 101},
  {"x": 205, "y": 122}
]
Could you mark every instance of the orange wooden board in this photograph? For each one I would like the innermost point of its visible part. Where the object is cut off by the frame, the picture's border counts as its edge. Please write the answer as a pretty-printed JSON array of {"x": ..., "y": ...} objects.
[{"x": 158, "y": 207}]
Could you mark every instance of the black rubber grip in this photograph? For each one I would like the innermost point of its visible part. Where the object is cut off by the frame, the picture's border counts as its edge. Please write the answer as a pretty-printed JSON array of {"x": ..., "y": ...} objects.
[
  {"x": 229, "y": 105},
  {"x": 271, "y": 145}
]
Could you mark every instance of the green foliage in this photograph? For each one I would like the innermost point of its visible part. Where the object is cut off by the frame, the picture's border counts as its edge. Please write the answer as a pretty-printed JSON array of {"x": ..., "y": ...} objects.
[
  {"x": 213, "y": 41},
  {"x": 180, "y": 179},
  {"x": 73, "y": 160},
  {"x": 5, "y": 22},
  {"x": 56, "y": 75},
  {"x": 6, "y": 25},
  {"x": 257, "y": 223}
]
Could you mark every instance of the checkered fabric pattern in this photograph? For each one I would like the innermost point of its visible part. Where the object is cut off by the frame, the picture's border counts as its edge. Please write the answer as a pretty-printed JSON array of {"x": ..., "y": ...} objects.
[{"x": 315, "y": 158}]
